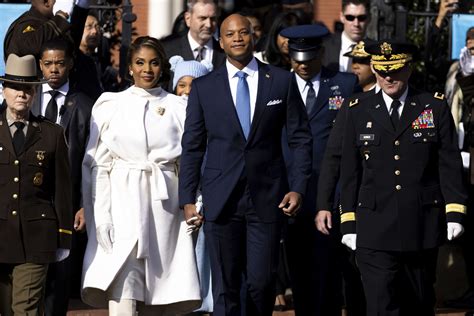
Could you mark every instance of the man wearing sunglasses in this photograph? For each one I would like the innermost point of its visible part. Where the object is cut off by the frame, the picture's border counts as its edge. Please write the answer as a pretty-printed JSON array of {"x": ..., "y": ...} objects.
[{"x": 355, "y": 18}]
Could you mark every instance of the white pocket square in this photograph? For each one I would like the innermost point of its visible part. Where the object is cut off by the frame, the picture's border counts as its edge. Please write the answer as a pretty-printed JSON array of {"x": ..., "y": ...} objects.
[{"x": 274, "y": 102}]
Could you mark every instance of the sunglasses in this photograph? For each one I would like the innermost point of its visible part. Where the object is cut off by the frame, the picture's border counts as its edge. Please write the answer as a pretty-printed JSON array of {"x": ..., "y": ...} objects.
[{"x": 361, "y": 18}]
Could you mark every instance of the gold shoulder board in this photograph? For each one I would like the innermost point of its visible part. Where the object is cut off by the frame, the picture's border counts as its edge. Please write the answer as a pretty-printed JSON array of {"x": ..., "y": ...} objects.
[
  {"x": 438, "y": 95},
  {"x": 29, "y": 28},
  {"x": 353, "y": 102}
]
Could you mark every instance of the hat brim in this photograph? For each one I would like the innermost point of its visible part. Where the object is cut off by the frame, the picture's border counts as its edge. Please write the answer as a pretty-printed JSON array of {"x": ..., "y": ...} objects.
[
  {"x": 28, "y": 81},
  {"x": 303, "y": 56}
]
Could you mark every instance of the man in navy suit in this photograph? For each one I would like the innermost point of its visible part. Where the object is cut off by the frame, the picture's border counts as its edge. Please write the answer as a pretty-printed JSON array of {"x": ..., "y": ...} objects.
[
  {"x": 314, "y": 269},
  {"x": 236, "y": 114},
  {"x": 61, "y": 103}
]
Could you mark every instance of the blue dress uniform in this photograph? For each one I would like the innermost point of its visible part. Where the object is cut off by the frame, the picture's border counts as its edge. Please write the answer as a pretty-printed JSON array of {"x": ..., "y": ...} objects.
[
  {"x": 400, "y": 185},
  {"x": 314, "y": 273}
]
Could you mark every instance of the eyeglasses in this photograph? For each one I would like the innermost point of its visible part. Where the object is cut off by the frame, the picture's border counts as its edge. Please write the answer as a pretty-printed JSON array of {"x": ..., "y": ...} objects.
[{"x": 361, "y": 18}]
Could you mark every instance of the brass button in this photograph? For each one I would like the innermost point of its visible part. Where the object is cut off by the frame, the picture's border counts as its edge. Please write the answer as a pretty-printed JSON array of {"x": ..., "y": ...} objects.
[
  {"x": 14, "y": 213},
  {"x": 360, "y": 204},
  {"x": 396, "y": 157},
  {"x": 366, "y": 143},
  {"x": 40, "y": 163},
  {"x": 16, "y": 162},
  {"x": 398, "y": 187},
  {"x": 435, "y": 201},
  {"x": 425, "y": 140},
  {"x": 16, "y": 179},
  {"x": 397, "y": 172},
  {"x": 397, "y": 142},
  {"x": 43, "y": 215},
  {"x": 15, "y": 196}
]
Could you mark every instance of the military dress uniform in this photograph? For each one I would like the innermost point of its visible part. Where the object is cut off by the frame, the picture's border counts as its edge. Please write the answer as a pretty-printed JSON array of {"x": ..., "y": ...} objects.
[{"x": 399, "y": 187}]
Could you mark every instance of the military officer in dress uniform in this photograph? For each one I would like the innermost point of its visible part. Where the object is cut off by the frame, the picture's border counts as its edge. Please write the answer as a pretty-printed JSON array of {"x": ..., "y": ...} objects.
[
  {"x": 401, "y": 182},
  {"x": 35, "y": 192}
]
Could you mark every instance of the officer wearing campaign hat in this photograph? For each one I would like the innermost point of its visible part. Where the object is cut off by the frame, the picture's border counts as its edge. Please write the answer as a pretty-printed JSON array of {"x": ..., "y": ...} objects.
[
  {"x": 401, "y": 185},
  {"x": 35, "y": 199},
  {"x": 314, "y": 266}
]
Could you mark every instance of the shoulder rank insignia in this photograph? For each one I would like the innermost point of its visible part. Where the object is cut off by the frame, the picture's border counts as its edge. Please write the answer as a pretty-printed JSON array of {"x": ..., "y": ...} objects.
[
  {"x": 29, "y": 28},
  {"x": 353, "y": 102},
  {"x": 438, "y": 95}
]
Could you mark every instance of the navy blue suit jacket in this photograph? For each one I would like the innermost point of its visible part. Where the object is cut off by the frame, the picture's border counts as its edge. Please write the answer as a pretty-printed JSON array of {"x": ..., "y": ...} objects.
[
  {"x": 212, "y": 125},
  {"x": 334, "y": 87}
]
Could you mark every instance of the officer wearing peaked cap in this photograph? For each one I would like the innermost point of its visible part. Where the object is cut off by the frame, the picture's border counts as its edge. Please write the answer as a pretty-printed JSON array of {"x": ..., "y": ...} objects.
[
  {"x": 314, "y": 267},
  {"x": 35, "y": 192},
  {"x": 401, "y": 186}
]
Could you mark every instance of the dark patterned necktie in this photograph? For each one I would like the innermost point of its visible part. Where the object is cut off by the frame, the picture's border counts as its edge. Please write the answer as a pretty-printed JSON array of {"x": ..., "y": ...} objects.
[
  {"x": 310, "y": 98},
  {"x": 19, "y": 138},
  {"x": 394, "y": 117},
  {"x": 51, "y": 112},
  {"x": 200, "y": 53}
]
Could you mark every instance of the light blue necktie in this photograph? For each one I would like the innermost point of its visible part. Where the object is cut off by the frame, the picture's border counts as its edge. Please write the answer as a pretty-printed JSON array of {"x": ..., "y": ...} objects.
[{"x": 243, "y": 102}]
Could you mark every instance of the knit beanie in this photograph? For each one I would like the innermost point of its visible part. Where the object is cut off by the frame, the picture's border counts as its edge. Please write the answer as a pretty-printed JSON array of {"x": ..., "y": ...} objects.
[{"x": 192, "y": 68}]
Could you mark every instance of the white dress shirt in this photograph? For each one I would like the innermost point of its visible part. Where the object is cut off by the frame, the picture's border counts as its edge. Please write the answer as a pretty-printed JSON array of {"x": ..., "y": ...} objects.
[
  {"x": 344, "y": 61},
  {"x": 388, "y": 102},
  {"x": 60, "y": 99},
  {"x": 252, "y": 80},
  {"x": 207, "y": 53},
  {"x": 303, "y": 87}
]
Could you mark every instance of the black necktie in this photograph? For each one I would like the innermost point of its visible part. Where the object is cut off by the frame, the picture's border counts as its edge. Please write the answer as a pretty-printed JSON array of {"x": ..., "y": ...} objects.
[
  {"x": 394, "y": 117},
  {"x": 310, "y": 98},
  {"x": 51, "y": 112},
  {"x": 200, "y": 53},
  {"x": 19, "y": 138}
]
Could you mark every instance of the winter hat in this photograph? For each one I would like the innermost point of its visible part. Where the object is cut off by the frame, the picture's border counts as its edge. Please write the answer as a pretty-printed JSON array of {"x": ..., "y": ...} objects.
[{"x": 191, "y": 68}]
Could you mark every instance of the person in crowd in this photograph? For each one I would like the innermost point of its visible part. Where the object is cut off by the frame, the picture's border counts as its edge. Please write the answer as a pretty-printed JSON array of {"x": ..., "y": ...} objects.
[
  {"x": 315, "y": 282},
  {"x": 360, "y": 63},
  {"x": 401, "y": 186},
  {"x": 36, "y": 225},
  {"x": 88, "y": 70},
  {"x": 276, "y": 46},
  {"x": 355, "y": 16},
  {"x": 244, "y": 185},
  {"x": 39, "y": 24},
  {"x": 256, "y": 26},
  {"x": 138, "y": 250},
  {"x": 61, "y": 103},
  {"x": 461, "y": 108},
  {"x": 198, "y": 43},
  {"x": 184, "y": 73}
]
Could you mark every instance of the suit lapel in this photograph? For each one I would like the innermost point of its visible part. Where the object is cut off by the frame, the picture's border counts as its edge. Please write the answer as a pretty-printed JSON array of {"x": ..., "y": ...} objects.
[
  {"x": 186, "y": 49},
  {"x": 378, "y": 111},
  {"x": 264, "y": 87},
  {"x": 69, "y": 107},
  {"x": 411, "y": 110},
  {"x": 323, "y": 95},
  {"x": 33, "y": 133},
  {"x": 5, "y": 136}
]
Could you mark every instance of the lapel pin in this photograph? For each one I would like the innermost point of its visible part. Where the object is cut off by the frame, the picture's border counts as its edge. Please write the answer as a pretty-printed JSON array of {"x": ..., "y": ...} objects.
[
  {"x": 413, "y": 103},
  {"x": 369, "y": 125},
  {"x": 427, "y": 105},
  {"x": 267, "y": 75},
  {"x": 40, "y": 155},
  {"x": 160, "y": 110},
  {"x": 377, "y": 106}
]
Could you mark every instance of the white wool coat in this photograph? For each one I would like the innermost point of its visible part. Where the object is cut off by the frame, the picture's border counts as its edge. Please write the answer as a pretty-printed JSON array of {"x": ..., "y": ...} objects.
[{"x": 130, "y": 181}]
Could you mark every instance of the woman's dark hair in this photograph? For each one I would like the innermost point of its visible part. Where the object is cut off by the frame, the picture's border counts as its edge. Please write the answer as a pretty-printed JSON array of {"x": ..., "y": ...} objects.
[
  {"x": 153, "y": 43},
  {"x": 272, "y": 52}
]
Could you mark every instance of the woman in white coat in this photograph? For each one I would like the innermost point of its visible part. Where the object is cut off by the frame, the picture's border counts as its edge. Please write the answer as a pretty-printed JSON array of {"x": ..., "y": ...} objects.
[{"x": 139, "y": 256}]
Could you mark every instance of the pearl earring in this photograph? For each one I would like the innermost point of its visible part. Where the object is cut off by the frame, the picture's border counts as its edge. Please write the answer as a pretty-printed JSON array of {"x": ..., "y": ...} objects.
[{"x": 131, "y": 73}]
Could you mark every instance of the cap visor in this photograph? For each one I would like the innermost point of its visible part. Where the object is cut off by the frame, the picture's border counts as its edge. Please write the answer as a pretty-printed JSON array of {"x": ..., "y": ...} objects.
[{"x": 303, "y": 56}]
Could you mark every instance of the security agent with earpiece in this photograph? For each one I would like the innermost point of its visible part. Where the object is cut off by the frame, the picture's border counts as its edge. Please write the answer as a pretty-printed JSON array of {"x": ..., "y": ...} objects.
[{"x": 401, "y": 186}]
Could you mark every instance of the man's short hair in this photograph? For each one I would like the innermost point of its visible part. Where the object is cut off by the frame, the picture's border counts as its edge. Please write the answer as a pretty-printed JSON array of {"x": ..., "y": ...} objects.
[
  {"x": 58, "y": 44},
  {"x": 192, "y": 3},
  {"x": 365, "y": 3}
]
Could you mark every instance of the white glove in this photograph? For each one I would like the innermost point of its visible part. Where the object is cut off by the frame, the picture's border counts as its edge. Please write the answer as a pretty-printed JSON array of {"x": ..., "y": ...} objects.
[
  {"x": 85, "y": 4},
  {"x": 61, "y": 254},
  {"x": 454, "y": 230},
  {"x": 191, "y": 227},
  {"x": 466, "y": 62},
  {"x": 63, "y": 5},
  {"x": 466, "y": 158},
  {"x": 105, "y": 237},
  {"x": 350, "y": 240}
]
